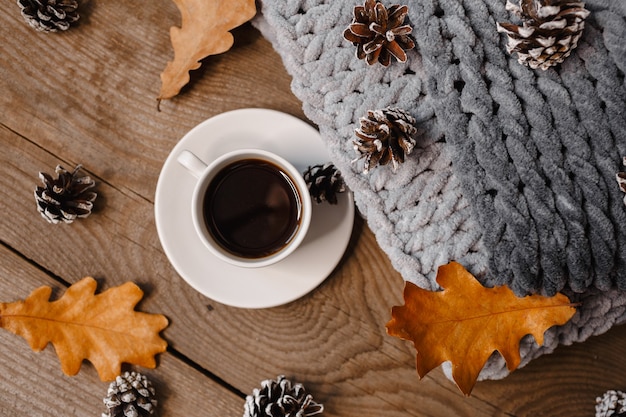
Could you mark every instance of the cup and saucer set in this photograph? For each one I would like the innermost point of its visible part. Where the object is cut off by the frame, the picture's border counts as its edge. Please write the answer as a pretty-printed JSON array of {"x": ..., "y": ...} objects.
[{"x": 321, "y": 232}]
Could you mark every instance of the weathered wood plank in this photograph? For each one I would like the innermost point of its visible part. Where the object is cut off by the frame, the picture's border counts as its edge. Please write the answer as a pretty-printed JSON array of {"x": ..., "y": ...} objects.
[
  {"x": 90, "y": 93},
  {"x": 33, "y": 384},
  {"x": 564, "y": 383}
]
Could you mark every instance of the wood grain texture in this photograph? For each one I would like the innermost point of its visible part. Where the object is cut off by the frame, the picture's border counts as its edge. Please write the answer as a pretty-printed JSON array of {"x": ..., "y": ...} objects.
[
  {"x": 33, "y": 384},
  {"x": 88, "y": 96}
]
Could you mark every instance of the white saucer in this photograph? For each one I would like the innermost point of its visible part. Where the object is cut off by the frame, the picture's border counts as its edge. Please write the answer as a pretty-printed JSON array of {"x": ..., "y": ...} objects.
[{"x": 285, "y": 281}]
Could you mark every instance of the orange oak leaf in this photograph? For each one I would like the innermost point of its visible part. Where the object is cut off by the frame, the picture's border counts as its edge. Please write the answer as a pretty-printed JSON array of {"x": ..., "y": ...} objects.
[
  {"x": 102, "y": 328},
  {"x": 466, "y": 322},
  {"x": 204, "y": 31}
]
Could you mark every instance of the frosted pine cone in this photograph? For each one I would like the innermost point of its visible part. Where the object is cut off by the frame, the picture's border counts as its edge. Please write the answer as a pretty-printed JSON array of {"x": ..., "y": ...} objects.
[
  {"x": 550, "y": 30},
  {"x": 49, "y": 15},
  {"x": 385, "y": 136},
  {"x": 130, "y": 395},
  {"x": 621, "y": 180},
  {"x": 281, "y": 398},
  {"x": 324, "y": 182},
  {"x": 380, "y": 33},
  {"x": 611, "y": 404},
  {"x": 65, "y": 198}
]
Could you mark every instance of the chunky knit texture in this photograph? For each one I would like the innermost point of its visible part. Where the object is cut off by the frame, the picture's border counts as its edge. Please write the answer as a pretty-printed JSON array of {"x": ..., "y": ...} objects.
[{"x": 513, "y": 175}]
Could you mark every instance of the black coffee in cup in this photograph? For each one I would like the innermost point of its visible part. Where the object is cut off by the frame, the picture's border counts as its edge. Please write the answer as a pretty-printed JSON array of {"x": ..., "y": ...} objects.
[{"x": 252, "y": 208}]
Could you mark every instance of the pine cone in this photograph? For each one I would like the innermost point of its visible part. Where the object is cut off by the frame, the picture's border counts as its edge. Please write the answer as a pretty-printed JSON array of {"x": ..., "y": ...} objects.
[
  {"x": 130, "y": 395},
  {"x": 281, "y": 399},
  {"x": 378, "y": 32},
  {"x": 611, "y": 404},
  {"x": 49, "y": 15},
  {"x": 550, "y": 31},
  {"x": 621, "y": 180},
  {"x": 324, "y": 182},
  {"x": 384, "y": 136},
  {"x": 65, "y": 198}
]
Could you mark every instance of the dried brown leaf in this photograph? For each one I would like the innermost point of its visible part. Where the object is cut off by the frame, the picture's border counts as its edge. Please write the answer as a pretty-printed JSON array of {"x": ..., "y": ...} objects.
[
  {"x": 466, "y": 322},
  {"x": 204, "y": 31},
  {"x": 102, "y": 328}
]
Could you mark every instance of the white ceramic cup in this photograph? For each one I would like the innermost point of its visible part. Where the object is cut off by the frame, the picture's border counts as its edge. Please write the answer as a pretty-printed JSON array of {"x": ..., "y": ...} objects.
[{"x": 206, "y": 174}]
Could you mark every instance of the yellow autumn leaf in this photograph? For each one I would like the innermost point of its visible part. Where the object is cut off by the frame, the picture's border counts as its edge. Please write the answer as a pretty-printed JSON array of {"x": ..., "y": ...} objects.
[
  {"x": 102, "y": 328},
  {"x": 204, "y": 31},
  {"x": 466, "y": 322}
]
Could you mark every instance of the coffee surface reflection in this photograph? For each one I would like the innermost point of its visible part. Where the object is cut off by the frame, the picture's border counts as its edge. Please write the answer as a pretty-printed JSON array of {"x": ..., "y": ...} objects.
[{"x": 252, "y": 208}]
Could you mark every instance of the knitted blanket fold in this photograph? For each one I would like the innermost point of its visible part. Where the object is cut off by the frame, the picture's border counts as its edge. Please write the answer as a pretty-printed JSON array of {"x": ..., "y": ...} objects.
[{"x": 514, "y": 172}]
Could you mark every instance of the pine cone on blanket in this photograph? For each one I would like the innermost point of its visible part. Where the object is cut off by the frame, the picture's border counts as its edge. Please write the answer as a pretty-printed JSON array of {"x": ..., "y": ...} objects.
[
  {"x": 65, "y": 198},
  {"x": 550, "y": 30},
  {"x": 380, "y": 33},
  {"x": 281, "y": 398},
  {"x": 621, "y": 180},
  {"x": 385, "y": 136},
  {"x": 49, "y": 15}
]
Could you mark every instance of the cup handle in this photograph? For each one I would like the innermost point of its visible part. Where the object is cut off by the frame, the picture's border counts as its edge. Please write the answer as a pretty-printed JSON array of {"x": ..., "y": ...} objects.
[{"x": 193, "y": 164}]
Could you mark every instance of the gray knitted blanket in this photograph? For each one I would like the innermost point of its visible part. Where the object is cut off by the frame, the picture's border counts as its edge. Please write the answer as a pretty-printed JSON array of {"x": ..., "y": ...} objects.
[{"x": 514, "y": 172}]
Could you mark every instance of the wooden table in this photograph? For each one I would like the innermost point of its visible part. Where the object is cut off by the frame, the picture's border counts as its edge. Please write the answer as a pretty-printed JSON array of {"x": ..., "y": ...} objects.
[{"x": 88, "y": 96}]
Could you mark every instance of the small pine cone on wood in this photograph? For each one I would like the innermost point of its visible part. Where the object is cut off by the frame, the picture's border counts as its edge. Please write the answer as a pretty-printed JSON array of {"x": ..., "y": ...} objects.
[
  {"x": 65, "y": 198},
  {"x": 324, "y": 182},
  {"x": 380, "y": 33},
  {"x": 550, "y": 30},
  {"x": 385, "y": 136},
  {"x": 130, "y": 395},
  {"x": 611, "y": 404},
  {"x": 49, "y": 15},
  {"x": 281, "y": 398}
]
